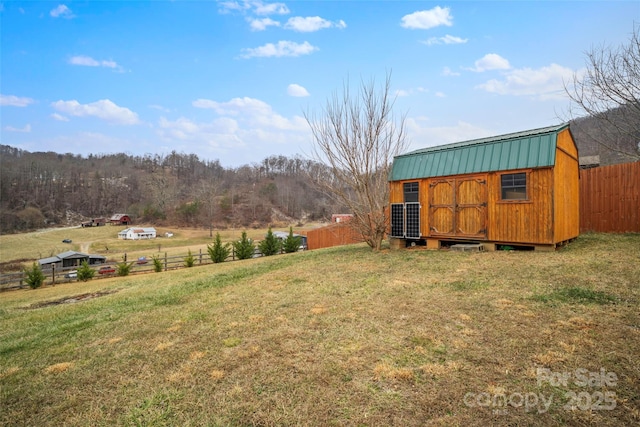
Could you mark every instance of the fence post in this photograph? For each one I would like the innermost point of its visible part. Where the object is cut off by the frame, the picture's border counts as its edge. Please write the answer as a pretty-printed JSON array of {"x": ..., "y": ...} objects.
[
  {"x": 200, "y": 255},
  {"x": 165, "y": 261}
]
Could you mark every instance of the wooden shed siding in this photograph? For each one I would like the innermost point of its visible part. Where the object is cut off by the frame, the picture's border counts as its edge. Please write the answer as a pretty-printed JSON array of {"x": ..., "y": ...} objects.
[
  {"x": 424, "y": 206},
  {"x": 395, "y": 192},
  {"x": 566, "y": 143},
  {"x": 610, "y": 198},
  {"x": 396, "y": 195},
  {"x": 566, "y": 192},
  {"x": 526, "y": 222}
]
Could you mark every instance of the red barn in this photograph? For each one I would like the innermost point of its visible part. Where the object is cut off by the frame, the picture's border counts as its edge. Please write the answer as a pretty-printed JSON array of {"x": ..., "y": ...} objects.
[{"x": 120, "y": 219}]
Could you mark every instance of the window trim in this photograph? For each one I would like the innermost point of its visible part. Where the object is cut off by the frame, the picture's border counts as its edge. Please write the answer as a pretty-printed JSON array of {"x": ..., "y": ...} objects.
[
  {"x": 417, "y": 192},
  {"x": 526, "y": 199}
]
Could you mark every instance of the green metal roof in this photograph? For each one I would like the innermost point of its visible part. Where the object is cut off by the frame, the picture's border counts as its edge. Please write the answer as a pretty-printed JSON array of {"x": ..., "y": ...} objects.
[{"x": 529, "y": 149}]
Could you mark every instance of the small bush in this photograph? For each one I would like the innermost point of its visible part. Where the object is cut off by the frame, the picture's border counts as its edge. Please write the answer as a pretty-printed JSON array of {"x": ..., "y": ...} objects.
[
  {"x": 219, "y": 251},
  {"x": 157, "y": 264},
  {"x": 189, "y": 260},
  {"x": 124, "y": 268},
  {"x": 270, "y": 245},
  {"x": 35, "y": 276},
  {"x": 85, "y": 272},
  {"x": 291, "y": 243},
  {"x": 244, "y": 248}
]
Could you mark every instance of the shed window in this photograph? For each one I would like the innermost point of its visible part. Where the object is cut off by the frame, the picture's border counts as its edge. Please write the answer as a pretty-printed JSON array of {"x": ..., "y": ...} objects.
[
  {"x": 514, "y": 186},
  {"x": 410, "y": 192}
]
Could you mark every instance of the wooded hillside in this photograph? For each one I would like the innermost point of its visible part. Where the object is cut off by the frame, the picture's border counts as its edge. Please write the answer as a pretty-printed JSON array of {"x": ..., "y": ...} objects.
[{"x": 48, "y": 189}]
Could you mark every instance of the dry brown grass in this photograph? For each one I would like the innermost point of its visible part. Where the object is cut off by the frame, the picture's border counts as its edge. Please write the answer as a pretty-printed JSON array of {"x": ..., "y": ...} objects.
[{"x": 333, "y": 337}]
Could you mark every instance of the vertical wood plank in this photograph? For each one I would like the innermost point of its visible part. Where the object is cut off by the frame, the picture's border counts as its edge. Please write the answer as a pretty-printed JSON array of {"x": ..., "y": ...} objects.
[{"x": 610, "y": 198}]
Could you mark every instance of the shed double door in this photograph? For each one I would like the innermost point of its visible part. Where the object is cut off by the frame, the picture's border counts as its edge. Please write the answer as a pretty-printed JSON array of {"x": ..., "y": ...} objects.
[{"x": 458, "y": 207}]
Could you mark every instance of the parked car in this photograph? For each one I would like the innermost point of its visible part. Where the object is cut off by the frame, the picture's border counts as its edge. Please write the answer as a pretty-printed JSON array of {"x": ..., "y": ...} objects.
[
  {"x": 142, "y": 260},
  {"x": 107, "y": 269},
  {"x": 73, "y": 274},
  {"x": 66, "y": 240}
]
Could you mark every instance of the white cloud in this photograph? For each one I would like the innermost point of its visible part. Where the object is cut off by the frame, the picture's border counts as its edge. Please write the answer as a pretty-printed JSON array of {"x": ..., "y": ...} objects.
[
  {"x": 400, "y": 93},
  {"x": 297, "y": 90},
  {"x": 103, "y": 109},
  {"x": 59, "y": 117},
  {"x": 260, "y": 8},
  {"x": 25, "y": 129},
  {"x": 88, "y": 61},
  {"x": 543, "y": 83},
  {"x": 423, "y": 136},
  {"x": 491, "y": 61},
  {"x": 282, "y": 48},
  {"x": 445, "y": 40},
  {"x": 61, "y": 11},
  {"x": 229, "y": 6},
  {"x": 262, "y": 24},
  {"x": 180, "y": 128},
  {"x": 256, "y": 7},
  {"x": 440, "y": 95},
  {"x": 311, "y": 24},
  {"x": 425, "y": 19},
  {"x": 446, "y": 71},
  {"x": 159, "y": 108},
  {"x": 239, "y": 124},
  {"x": 252, "y": 111},
  {"x": 15, "y": 101}
]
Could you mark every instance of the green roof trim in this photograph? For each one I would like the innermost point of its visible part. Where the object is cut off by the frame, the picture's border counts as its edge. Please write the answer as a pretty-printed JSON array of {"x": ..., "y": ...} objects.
[{"x": 534, "y": 148}]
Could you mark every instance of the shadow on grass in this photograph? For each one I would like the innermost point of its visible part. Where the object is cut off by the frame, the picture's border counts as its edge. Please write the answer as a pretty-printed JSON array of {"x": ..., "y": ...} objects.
[{"x": 576, "y": 295}]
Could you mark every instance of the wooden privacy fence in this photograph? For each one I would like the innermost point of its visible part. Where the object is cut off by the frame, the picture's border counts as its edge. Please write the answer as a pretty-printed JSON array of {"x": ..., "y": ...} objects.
[
  {"x": 332, "y": 235},
  {"x": 610, "y": 198}
]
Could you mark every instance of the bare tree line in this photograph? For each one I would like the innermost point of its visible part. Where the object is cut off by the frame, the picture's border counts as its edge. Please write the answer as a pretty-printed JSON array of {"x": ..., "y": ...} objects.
[
  {"x": 608, "y": 94},
  {"x": 48, "y": 189}
]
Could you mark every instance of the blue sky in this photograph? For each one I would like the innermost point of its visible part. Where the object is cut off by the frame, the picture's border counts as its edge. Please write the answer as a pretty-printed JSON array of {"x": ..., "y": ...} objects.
[{"x": 230, "y": 80}]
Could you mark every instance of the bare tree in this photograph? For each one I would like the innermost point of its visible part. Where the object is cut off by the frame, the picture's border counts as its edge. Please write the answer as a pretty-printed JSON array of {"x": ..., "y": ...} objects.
[
  {"x": 357, "y": 138},
  {"x": 609, "y": 92},
  {"x": 207, "y": 194}
]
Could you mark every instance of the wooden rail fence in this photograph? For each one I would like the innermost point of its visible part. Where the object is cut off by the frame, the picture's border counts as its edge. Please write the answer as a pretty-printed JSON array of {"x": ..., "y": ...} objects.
[{"x": 11, "y": 281}]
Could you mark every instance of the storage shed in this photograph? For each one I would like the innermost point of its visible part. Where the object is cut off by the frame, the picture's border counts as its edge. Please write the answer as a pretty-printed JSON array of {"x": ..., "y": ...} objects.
[
  {"x": 519, "y": 189},
  {"x": 70, "y": 259}
]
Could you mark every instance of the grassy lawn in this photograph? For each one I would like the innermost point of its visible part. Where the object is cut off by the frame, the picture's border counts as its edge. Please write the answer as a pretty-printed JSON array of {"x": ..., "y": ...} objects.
[{"x": 340, "y": 336}]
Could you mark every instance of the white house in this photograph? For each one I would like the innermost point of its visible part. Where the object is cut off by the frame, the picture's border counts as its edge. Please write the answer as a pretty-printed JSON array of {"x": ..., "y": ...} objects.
[{"x": 137, "y": 233}]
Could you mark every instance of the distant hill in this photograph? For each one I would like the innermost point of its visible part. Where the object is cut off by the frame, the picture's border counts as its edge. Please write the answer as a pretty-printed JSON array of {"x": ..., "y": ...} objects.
[
  {"x": 48, "y": 189},
  {"x": 593, "y": 136}
]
